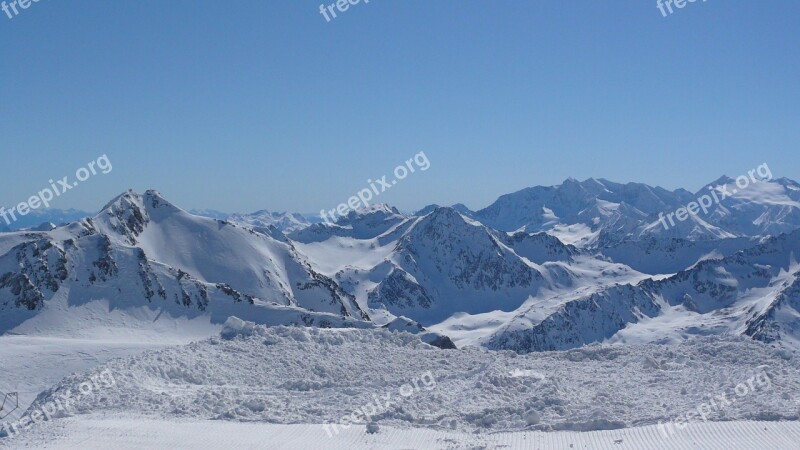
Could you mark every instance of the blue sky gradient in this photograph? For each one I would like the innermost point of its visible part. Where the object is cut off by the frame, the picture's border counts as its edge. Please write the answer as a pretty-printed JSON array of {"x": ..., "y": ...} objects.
[{"x": 249, "y": 105}]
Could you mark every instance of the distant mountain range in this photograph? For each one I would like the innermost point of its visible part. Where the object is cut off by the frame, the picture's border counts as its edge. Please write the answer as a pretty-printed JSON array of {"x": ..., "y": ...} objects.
[
  {"x": 283, "y": 221},
  {"x": 37, "y": 217},
  {"x": 598, "y": 213},
  {"x": 541, "y": 269}
]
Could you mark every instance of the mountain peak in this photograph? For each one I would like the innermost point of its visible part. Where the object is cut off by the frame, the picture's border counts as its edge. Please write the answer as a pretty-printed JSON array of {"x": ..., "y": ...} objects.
[
  {"x": 448, "y": 220},
  {"x": 377, "y": 210},
  {"x": 129, "y": 213},
  {"x": 445, "y": 213},
  {"x": 571, "y": 180},
  {"x": 463, "y": 209},
  {"x": 724, "y": 179},
  {"x": 154, "y": 200},
  {"x": 426, "y": 210},
  {"x": 129, "y": 196}
]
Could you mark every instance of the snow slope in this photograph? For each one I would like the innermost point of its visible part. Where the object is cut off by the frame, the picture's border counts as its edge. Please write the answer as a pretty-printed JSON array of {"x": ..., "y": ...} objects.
[
  {"x": 30, "y": 364},
  {"x": 753, "y": 292},
  {"x": 263, "y": 266},
  {"x": 142, "y": 251},
  {"x": 308, "y": 375},
  {"x": 138, "y": 433},
  {"x": 443, "y": 265}
]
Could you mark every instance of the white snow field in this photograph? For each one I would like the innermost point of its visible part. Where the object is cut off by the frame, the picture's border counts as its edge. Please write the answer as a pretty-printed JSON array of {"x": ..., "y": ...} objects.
[
  {"x": 290, "y": 387},
  {"x": 136, "y": 433},
  {"x": 61, "y": 341}
]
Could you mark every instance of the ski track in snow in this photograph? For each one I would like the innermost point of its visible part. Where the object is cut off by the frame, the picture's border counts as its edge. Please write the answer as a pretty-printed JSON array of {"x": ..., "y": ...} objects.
[{"x": 135, "y": 433}]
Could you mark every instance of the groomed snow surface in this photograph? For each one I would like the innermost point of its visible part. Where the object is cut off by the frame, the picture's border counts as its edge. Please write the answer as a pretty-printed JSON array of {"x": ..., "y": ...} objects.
[
  {"x": 136, "y": 433},
  {"x": 260, "y": 387}
]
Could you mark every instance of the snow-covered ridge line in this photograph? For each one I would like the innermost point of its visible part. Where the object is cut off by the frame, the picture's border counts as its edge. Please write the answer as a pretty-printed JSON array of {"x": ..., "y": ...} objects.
[
  {"x": 442, "y": 268},
  {"x": 596, "y": 212},
  {"x": 759, "y": 284}
]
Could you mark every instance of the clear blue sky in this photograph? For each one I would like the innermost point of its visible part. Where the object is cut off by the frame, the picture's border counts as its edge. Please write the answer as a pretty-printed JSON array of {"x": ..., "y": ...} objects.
[{"x": 248, "y": 105}]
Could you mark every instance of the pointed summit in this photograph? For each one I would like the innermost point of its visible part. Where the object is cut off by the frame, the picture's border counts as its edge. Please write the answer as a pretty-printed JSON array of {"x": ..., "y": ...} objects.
[
  {"x": 129, "y": 213},
  {"x": 724, "y": 179}
]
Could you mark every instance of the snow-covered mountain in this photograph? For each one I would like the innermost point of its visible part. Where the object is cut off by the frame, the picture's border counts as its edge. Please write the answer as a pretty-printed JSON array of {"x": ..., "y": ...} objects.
[
  {"x": 578, "y": 212},
  {"x": 459, "y": 207},
  {"x": 667, "y": 255},
  {"x": 36, "y": 217},
  {"x": 142, "y": 250},
  {"x": 445, "y": 264},
  {"x": 763, "y": 208},
  {"x": 264, "y": 265},
  {"x": 600, "y": 213},
  {"x": 442, "y": 264},
  {"x": 453, "y": 273},
  {"x": 543, "y": 268},
  {"x": 753, "y": 292},
  {"x": 210, "y": 213},
  {"x": 284, "y": 221},
  {"x": 365, "y": 223}
]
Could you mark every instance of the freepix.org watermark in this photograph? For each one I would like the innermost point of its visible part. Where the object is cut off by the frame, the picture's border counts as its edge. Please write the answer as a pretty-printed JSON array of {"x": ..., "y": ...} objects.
[
  {"x": 717, "y": 194},
  {"x": 717, "y": 403},
  {"x": 666, "y": 5},
  {"x": 379, "y": 405},
  {"x": 16, "y": 6},
  {"x": 61, "y": 405},
  {"x": 329, "y": 11},
  {"x": 43, "y": 197},
  {"x": 376, "y": 188}
]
